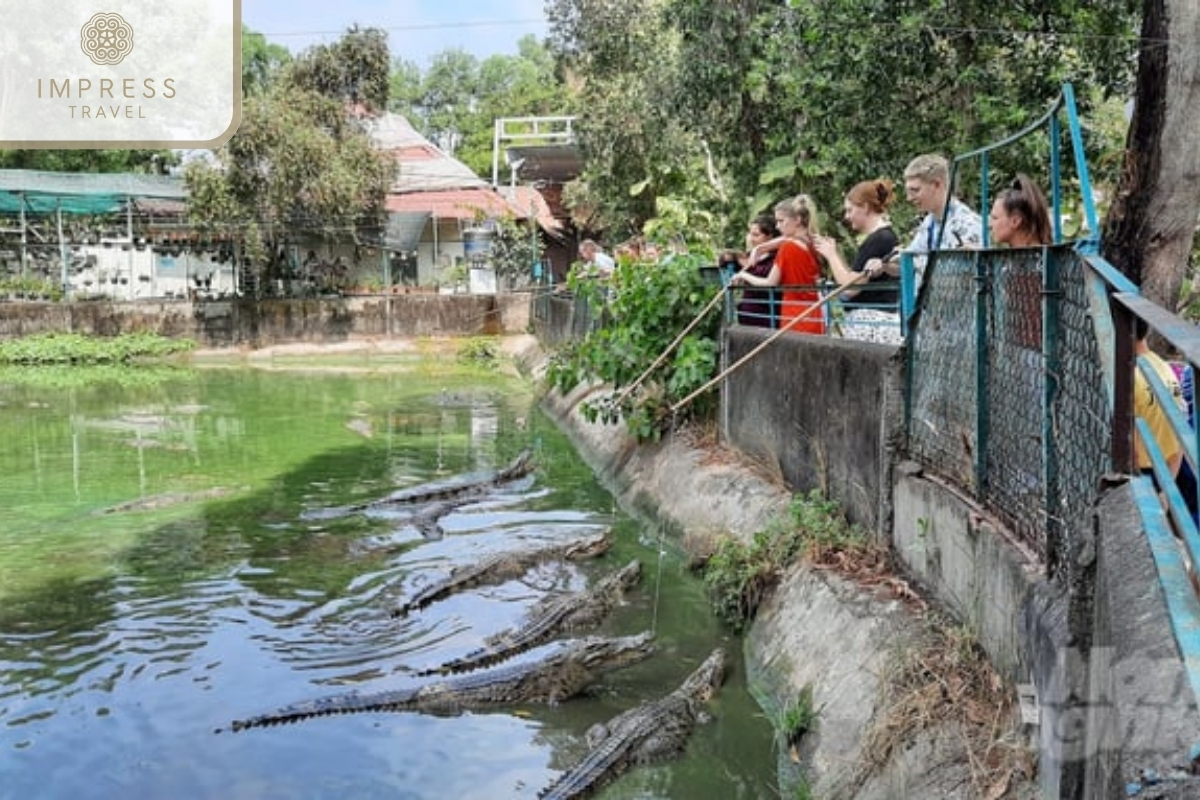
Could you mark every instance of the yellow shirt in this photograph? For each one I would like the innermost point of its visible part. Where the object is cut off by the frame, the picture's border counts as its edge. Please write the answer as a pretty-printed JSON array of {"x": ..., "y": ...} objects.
[{"x": 1145, "y": 405}]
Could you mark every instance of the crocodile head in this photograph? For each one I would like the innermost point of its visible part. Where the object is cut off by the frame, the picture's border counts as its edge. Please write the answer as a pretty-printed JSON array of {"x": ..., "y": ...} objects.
[
  {"x": 600, "y": 654},
  {"x": 522, "y": 463},
  {"x": 627, "y": 576},
  {"x": 588, "y": 546},
  {"x": 703, "y": 683}
]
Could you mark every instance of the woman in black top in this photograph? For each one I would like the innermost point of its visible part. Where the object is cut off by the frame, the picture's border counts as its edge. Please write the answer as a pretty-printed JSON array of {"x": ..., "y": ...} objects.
[{"x": 876, "y": 316}]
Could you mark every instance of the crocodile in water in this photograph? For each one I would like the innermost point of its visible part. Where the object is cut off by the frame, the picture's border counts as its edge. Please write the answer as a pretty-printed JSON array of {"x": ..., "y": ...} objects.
[
  {"x": 462, "y": 490},
  {"x": 578, "y": 611},
  {"x": 504, "y": 566},
  {"x": 650, "y": 732},
  {"x": 453, "y": 494},
  {"x": 563, "y": 672}
]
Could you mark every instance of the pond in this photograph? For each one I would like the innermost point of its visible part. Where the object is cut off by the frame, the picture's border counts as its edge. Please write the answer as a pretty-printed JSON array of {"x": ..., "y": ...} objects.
[{"x": 171, "y": 559}]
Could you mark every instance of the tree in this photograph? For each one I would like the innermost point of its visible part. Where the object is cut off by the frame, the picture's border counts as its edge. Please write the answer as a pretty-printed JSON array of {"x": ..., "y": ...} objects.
[
  {"x": 300, "y": 164},
  {"x": 353, "y": 70},
  {"x": 1151, "y": 224},
  {"x": 454, "y": 104},
  {"x": 88, "y": 160},
  {"x": 816, "y": 95},
  {"x": 623, "y": 59},
  {"x": 262, "y": 61}
]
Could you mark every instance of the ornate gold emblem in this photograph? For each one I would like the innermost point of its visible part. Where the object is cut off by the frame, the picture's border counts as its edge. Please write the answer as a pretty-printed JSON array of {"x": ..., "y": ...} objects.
[{"x": 106, "y": 38}]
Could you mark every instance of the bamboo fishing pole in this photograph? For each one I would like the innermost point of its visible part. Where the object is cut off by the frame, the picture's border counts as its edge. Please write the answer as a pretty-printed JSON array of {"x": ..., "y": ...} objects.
[
  {"x": 663, "y": 356},
  {"x": 761, "y": 345}
]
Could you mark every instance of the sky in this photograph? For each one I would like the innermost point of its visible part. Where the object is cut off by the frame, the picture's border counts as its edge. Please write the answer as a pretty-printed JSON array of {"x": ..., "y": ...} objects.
[{"x": 417, "y": 29}]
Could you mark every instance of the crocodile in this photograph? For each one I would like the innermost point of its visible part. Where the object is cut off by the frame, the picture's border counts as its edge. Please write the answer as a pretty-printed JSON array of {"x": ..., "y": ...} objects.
[
  {"x": 449, "y": 494},
  {"x": 460, "y": 491},
  {"x": 571, "y": 612},
  {"x": 504, "y": 566},
  {"x": 560, "y": 674},
  {"x": 167, "y": 500},
  {"x": 649, "y": 732}
]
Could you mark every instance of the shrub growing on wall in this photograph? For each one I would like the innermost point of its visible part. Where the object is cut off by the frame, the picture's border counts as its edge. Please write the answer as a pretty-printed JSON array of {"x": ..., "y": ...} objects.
[{"x": 641, "y": 310}]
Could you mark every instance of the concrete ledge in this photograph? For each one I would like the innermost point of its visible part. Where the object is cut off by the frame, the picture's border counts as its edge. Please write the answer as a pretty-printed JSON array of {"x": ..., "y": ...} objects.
[
  {"x": 826, "y": 411},
  {"x": 961, "y": 558},
  {"x": 1141, "y": 710},
  {"x": 666, "y": 479}
]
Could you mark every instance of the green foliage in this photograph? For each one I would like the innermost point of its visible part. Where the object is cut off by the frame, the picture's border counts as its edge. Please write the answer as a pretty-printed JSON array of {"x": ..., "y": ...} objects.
[
  {"x": 262, "y": 62},
  {"x": 643, "y": 307},
  {"x": 515, "y": 247},
  {"x": 793, "y": 719},
  {"x": 299, "y": 163},
  {"x": 354, "y": 69},
  {"x": 481, "y": 351},
  {"x": 30, "y": 288},
  {"x": 756, "y": 101},
  {"x": 455, "y": 101},
  {"x": 87, "y": 160},
  {"x": 73, "y": 348},
  {"x": 740, "y": 575}
]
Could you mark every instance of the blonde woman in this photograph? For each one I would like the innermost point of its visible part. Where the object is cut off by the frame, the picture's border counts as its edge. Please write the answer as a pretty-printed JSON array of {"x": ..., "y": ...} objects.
[{"x": 795, "y": 265}]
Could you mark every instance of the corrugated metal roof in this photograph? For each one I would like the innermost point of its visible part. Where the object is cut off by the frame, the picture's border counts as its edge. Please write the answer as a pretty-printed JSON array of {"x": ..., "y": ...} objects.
[
  {"x": 423, "y": 166},
  {"x": 530, "y": 199},
  {"x": 455, "y": 203}
]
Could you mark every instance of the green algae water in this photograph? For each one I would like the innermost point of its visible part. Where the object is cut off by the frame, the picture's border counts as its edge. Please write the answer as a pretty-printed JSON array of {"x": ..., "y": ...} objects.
[{"x": 169, "y": 563}]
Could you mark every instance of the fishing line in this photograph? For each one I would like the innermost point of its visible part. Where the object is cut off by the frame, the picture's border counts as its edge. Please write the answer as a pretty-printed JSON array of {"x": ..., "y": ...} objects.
[{"x": 661, "y": 544}]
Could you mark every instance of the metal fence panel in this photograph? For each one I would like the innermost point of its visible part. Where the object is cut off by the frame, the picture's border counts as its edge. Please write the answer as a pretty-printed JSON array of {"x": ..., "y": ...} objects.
[{"x": 1006, "y": 392}]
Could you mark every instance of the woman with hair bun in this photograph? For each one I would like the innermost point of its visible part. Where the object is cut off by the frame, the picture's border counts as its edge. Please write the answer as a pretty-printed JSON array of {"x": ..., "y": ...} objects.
[{"x": 865, "y": 210}]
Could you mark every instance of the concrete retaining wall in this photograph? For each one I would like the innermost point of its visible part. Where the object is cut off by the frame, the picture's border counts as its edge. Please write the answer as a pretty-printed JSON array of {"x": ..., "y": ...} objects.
[
  {"x": 826, "y": 412},
  {"x": 259, "y": 323}
]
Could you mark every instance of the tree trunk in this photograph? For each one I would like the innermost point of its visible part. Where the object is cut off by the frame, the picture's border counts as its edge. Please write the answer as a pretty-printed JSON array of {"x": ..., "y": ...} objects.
[{"x": 1149, "y": 229}]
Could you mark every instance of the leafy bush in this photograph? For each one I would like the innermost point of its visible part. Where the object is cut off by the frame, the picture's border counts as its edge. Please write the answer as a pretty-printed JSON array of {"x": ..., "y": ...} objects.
[
  {"x": 479, "y": 350},
  {"x": 74, "y": 348},
  {"x": 642, "y": 308},
  {"x": 739, "y": 575},
  {"x": 31, "y": 288}
]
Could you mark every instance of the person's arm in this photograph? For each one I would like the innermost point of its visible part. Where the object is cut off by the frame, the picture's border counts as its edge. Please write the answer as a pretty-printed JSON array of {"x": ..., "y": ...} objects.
[
  {"x": 746, "y": 279},
  {"x": 880, "y": 255},
  {"x": 827, "y": 247},
  {"x": 758, "y": 251}
]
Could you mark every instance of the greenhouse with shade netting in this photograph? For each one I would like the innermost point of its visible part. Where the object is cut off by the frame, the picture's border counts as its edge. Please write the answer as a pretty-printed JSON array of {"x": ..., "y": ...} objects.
[{"x": 118, "y": 236}]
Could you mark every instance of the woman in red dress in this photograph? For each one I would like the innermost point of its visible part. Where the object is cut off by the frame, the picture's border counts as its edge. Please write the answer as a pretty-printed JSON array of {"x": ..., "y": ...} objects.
[{"x": 796, "y": 266}]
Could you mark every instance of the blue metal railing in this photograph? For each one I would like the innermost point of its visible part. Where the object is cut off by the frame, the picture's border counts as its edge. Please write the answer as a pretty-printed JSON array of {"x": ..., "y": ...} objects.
[{"x": 1064, "y": 104}]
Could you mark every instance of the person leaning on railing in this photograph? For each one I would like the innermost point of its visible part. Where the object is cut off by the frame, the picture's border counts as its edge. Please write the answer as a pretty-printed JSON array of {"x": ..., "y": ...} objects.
[
  {"x": 877, "y": 319},
  {"x": 927, "y": 186},
  {"x": 754, "y": 307},
  {"x": 592, "y": 255},
  {"x": 796, "y": 267}
]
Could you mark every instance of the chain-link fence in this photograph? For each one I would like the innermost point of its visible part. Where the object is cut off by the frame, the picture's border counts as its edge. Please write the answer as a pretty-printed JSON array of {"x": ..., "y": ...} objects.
[{"x": 1006, "y": 391}]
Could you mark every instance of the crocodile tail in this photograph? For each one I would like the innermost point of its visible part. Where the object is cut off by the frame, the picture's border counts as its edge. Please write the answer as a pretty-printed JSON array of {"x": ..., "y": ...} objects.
[
  {"x": 327, "y": 706},
  {"x": 601, "y": 766}
]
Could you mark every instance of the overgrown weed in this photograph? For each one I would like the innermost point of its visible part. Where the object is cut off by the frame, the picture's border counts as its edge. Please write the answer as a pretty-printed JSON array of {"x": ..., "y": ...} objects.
[
  {"x": 480, "y": 351},
  {"x": 948, "y": 680},
  {"x": 740, "y": 575}
]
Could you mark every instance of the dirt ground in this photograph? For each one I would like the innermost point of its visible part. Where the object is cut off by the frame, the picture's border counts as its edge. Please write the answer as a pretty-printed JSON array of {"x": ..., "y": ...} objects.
[{"x": 510, "y": 346}]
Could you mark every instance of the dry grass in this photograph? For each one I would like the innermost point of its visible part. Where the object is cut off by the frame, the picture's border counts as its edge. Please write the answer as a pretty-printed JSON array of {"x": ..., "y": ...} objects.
[
  {"x": 704, "y": 437},
  {"x": 949, "y": 682},
  {"x": 866, "y": 564}
]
